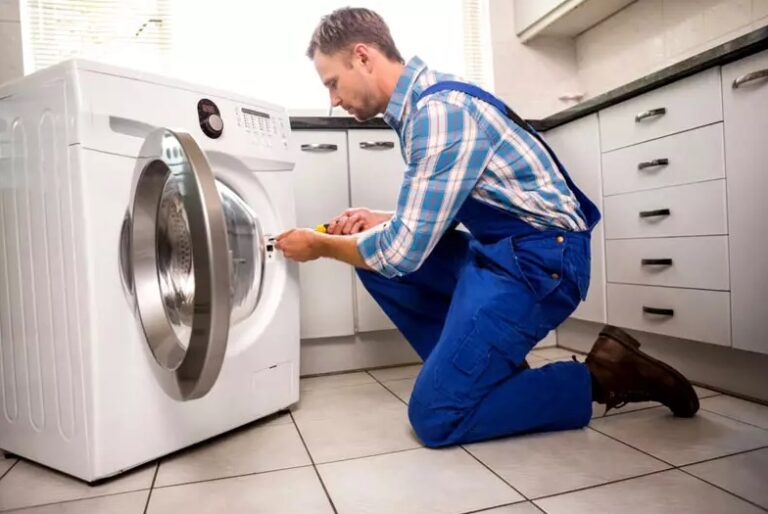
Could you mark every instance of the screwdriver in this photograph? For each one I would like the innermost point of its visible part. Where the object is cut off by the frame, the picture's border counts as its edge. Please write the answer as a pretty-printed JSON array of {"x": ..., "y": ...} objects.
[{"x": 323, "y": 228}]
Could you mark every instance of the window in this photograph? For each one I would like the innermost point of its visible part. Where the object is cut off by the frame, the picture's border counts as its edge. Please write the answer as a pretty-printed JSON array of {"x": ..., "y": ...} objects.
[{"x": 254, "y": 48}]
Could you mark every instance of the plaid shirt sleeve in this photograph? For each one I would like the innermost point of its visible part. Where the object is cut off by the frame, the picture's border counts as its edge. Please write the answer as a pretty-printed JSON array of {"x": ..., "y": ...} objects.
[{"x": 445, "y": 157}]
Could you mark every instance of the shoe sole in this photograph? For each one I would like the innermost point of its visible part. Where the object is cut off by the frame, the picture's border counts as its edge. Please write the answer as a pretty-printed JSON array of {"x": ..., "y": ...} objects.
[{"x": 666, "y": 367}]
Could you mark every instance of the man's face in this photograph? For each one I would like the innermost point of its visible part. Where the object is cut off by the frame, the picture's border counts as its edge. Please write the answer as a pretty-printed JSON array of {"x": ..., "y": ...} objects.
[{"x": 349, "y": 81}]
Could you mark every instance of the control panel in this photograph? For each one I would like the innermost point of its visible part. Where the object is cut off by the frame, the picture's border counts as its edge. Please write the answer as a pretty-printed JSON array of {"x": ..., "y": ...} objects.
[{"x": 264, "y": 129}]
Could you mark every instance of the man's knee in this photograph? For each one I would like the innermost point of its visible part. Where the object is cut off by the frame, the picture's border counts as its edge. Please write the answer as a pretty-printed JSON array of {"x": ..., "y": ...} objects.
[{"x": 429, "y": 427}]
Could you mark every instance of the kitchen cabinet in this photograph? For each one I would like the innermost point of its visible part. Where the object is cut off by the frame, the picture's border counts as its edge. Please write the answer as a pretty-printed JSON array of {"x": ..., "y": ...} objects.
[
  {"x": 745, "y": 110},
  {"x": 375, "y": 176},
  {"x": 577, "y": 145},
  {"x": 322, "y": 192}
]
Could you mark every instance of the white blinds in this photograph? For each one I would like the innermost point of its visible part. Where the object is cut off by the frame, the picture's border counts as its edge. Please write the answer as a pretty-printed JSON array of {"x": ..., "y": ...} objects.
[{"x": 115, "y": 31}]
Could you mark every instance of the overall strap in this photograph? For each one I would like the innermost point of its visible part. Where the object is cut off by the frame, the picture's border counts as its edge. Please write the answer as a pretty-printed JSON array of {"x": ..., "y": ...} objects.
[{"x": 589, "y": 208}]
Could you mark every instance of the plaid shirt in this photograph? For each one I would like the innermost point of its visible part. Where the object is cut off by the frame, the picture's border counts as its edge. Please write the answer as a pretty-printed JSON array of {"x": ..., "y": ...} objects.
[{"x": 455, "y": 146}]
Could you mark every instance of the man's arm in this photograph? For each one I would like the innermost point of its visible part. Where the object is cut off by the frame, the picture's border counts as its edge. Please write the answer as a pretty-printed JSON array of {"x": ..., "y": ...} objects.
[{"x": 303, "y": 245}]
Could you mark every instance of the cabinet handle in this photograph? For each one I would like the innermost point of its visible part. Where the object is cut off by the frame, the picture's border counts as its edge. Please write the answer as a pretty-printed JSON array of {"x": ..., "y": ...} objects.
[
  {"x": 656, "y": 262},
  {"x": 749, "y": 77},
  {"x": 650, "y": 114},
  {"x": 659, "y": 312},
  {"x": 377, "y": 145},
  {"x": 319, "y": 147},
  {"x": 653, "y": 214},
  {"x": 652, "y": 164}
]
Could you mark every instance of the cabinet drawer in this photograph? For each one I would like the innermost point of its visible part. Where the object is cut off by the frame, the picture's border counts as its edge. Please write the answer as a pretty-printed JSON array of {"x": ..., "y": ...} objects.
[
  {"x": 683, "y": 105},
  {"x": 688, "y": 157},
  {"x": 694, "y": 262},
  {"x": 690, "y": 210},
  {"x": 685, "y": 313}
]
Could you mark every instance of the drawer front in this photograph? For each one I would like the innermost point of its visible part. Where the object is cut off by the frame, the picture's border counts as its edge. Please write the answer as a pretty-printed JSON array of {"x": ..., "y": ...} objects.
[
  {"x": 692, "y": 156},
  {"x": 683, "y": 105},
  {"x": 690, "y": 210},
  {"x": 693, "y": 262},
  {"x": 693, "y": 314}
]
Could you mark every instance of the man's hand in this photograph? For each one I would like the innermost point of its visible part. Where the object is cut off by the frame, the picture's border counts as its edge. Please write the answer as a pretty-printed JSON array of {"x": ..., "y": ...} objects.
[
  {"x": 303, "y": 244},
  {"x": 299, "y": 244},
  {"x": 353, "y": 221}
]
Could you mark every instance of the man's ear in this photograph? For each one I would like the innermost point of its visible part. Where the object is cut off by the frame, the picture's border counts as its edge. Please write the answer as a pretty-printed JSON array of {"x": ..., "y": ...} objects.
[{"x": 362, "y": 52}]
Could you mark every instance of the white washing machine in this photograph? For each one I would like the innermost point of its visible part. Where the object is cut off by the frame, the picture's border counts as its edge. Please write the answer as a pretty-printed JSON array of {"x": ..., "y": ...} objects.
[{"x": 143, "y": 307}]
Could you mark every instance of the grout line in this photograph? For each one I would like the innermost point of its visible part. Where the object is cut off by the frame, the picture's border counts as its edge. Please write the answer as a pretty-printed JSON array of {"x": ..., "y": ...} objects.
[
  {"x": 218, "y": 479},
  {"x": 731, "y": 493},
  {"x": 152, "y": 486},
  {"x": 314, "y": 466},
  {"x": 732, "y": 418},
  {"x": 596, "y": 486},
  {"x": 590, "y": 427},
  {"x": 711, "y": 459},
  {"x": 494, "y": 472},
  {"x": 387, "y": 388},
  {"x": 420, "y": 447},
  {"x": 488, "y": 509},
  {"x": 73, "y": 500},
  {"x": 9, "y": 469}
]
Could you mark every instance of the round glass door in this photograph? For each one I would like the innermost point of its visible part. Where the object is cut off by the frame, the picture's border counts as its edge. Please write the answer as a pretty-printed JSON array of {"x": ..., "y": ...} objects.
[{"x": 179, "y": 258}]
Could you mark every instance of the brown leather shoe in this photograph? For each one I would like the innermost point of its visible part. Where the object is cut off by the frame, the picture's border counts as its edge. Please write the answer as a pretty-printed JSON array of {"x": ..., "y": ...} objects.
[{"x": 625, "y": 374}]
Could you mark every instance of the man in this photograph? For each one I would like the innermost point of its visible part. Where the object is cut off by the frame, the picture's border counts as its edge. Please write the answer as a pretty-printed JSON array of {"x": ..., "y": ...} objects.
[{"x": 473, "y": 304}]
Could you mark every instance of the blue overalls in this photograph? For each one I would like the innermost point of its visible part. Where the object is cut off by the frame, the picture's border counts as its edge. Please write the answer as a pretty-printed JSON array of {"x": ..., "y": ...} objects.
[{"x": 477, "y": 306}]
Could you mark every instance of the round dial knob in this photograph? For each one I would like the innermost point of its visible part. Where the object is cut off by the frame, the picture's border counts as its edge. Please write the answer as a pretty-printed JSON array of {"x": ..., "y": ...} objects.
[{"x": 215, "y": 123}]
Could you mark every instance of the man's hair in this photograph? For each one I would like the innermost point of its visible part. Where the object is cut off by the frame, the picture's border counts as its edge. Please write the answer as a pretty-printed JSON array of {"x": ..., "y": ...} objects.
[{"x": 351, "y": 25}]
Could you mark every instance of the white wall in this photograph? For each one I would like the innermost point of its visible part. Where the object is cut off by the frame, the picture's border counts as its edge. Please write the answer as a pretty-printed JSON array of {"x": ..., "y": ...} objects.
[
  {"x": 642, "y": 38},
  {"x": 651, "y": 34},
  {"x": 531, "y": 77},
  {"x": 10, "y": 41}
]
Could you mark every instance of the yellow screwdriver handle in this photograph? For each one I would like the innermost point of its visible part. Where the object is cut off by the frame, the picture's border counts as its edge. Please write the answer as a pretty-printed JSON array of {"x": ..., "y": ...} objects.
[{"x": 323, "y": 229}]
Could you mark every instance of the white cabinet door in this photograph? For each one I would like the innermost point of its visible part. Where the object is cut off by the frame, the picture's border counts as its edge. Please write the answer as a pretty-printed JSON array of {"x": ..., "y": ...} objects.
[
  {"x": 577, "y": 144},
  {"x": 375, "y": 174},
  {"x": 745, "y": 110},
  {"x": 322, "y": 192}
]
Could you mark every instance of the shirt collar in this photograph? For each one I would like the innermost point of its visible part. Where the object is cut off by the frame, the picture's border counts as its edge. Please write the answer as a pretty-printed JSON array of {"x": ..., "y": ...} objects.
[{"x": 402, "y": 94}]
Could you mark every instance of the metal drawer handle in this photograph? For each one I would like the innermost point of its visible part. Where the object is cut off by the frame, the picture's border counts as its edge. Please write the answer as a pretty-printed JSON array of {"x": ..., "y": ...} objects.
[
  {"x": 377, "y": 145},
  {"x": 653, "y": 214},
  {"x": 659, "y": 312},
  {"x": 749, "y": 77},
  {"x": 656, "y": 262},
  {"x": 652, "y": 164},
  {"x": 650, "y": 114},
  {"x": 319, "y": 147}
]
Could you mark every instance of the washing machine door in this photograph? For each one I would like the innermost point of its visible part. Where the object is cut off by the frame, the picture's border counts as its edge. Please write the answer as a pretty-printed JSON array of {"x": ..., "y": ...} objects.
[{"x": 178, "y": 258}]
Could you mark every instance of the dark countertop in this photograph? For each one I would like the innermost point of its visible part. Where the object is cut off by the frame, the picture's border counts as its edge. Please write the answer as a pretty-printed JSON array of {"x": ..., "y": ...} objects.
[{"x": 738, "y": 48}]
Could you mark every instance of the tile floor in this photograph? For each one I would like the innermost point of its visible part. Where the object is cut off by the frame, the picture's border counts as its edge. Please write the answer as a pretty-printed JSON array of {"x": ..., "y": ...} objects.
[{"x": 347, "y": 448}]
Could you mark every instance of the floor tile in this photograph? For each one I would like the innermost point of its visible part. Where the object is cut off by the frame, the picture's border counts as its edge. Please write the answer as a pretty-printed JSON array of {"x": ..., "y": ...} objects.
[
  {"x": 278, "y": 418},
  {"x": 554, "y": 353},
  {"x": 53, "y": 487},
  {"x": 253, "y": 449},
  {"x": 682, "y": 441},
  {"x": 402, "y": 388},
  {"x": 340, "y": 402},
  {"x": 397, "y": 373},
  {"x": 544, "y": 464},
  {"x": 331, "y": 381},
  {"x": 417, "y": 481},
  {"x": 368, "y": 433},
  {"x": 125, "y": 503},
  {"x": 518, "y": 508},
  {"x": 6, "y": 464},
  {"x": 669, "y": 492},
  {"x": 744, "y": 474},
  {"x": 291, "y": 490},
  {"x": 748, "y": 412},
  {"x": 532, "y": 359}
]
